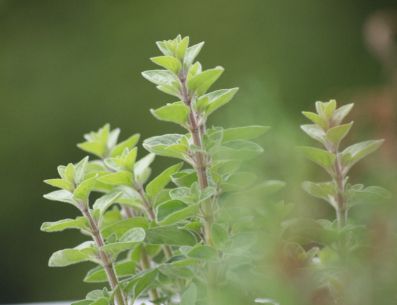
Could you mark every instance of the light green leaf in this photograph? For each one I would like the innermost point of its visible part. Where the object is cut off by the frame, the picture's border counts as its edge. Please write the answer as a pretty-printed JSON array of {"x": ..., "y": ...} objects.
[
  {"x": 176, "y": 112},
  {"x": 61, "y": 195},
  {"x": 104, "y": 202},
  {"x": 341, "y": 113},
  {"x": 79, "y": 223},
  {"x": 322, "y": 190},
  {"x": 84, "y": 189},
  {"x": 129, "y": 143},
  {"x": 212, "y": 101},
  {"x": 82, "y": 253},
  {"x": 237, "y": 150},
  {"x": 160, "y": 77},
  {"x": 192, "y": 52},
  {"x": 80, "y": 170},
  {"x": 201, "y": 82},
  {"x": 161, "y": 181},
  {"x": 169, "y": 145},
  {"x": 168, "y": 62},
  {"x": 354, "y": 153},
  {"x": 315, "y": 132},
  {"x": 316, "y": 119},
  {"x": 321, "y": 157},
  {"x": 337, "y": 133},
  {"x": 181, "y": 48},
  {"x": 244, "y": 133},
  {"x": 171, "y": 89},
  {"x": 120, "y": 178},
  {"x": 114, "y": 249},
  {"x": 142, "y": 168},
  {"x": 60, "y": 183}
]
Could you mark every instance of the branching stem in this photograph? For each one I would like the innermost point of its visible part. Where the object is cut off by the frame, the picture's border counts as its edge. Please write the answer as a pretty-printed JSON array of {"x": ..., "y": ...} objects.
[{"x": 106, "y": 261}]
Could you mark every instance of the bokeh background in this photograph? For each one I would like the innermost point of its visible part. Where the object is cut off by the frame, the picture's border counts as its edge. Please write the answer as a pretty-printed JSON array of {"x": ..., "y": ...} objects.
[{"x": 68, "y": 67}]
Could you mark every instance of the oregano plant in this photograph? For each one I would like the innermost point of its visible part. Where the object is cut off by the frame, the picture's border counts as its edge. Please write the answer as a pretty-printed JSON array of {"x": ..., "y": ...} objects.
[{"x": 190, "y": 234}]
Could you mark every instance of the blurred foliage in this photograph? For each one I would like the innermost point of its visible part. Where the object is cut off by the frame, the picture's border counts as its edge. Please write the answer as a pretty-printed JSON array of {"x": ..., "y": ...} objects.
[{"x": 67, "y": 67}]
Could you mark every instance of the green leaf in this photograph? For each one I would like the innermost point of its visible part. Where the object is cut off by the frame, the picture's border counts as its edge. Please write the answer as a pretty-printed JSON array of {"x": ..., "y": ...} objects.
[
  {"x": 121, "y": 227},
  {"x": 337, "y": 133},
  {"x": 168, "y": 62},
  {"x": 80, "y": 170},
  {"x": 60, "y": 195},
  {"x": 142, "y": 168},
  {"x": 129, "y": 143},
  {"x": 82, "y": 302},
  {"x": 170, "y": 235},
  {"x": 219, "y": 235},
  {"x": 160, "y": 77},
  {"x": 212, "y": 101},
  {"x": 184, "y": 177},
  {"x": 120, "y": 178},
  {"x": 169, "y": 145},
  {"x": 341, "y": 113},
  {"x": 160, "y": 182},
  {"x": 315, "y": 132},
  {"x": 84, "y": 189},
  {"x": 173, "y": 211},
  {"x": 181, "y": 48},
  {"x": 354, "y": 153},
  {"x": 114, "y": 249},
  {"x": 323, "y": 190},
  {"x": 104, "y": 202},
  {"x": 98, "y": 274},
  {"x": 176, "y": 112},
  {"x": 201, "y": 82},
  {"x": 171, "y": 89},
  {"x": 141, "y": 282},
  {"x": 316, "y": 119},
  {"x": 203, "y": 252},
  {"x": 192, "y": 52},
  {"x": 82, "y": 253},
  {"x": 135, "y": 235},
  {"x": 321, "y": 157},
  {"x": 60, "y": 183},
  {"x": 189, "y": 297},
  {"x": 358, "y": 194},
  {"x": 244, "y": 133},
  {"x": 79, "y": 223},
  {"x": 237, "y": 150}
]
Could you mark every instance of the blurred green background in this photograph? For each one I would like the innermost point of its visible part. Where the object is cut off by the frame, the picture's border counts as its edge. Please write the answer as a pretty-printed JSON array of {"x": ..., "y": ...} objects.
[{"x": 67, "y": 67}]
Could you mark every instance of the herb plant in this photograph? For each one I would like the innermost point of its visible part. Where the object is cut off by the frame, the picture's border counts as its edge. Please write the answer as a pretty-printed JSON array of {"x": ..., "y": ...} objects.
[{"x": 192, "y": 232}]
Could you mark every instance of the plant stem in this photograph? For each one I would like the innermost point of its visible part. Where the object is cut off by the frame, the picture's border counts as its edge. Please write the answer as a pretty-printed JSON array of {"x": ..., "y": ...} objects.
[
  {"x": 106, "y": 261},
  {"x": 197, "y": 131},
  {"x": 145, "y": 263},
  {"x": 339, "y": 180}
]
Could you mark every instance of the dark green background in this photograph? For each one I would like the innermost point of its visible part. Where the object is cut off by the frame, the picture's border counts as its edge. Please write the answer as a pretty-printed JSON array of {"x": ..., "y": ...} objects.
[{"x": 67, "y": 67}]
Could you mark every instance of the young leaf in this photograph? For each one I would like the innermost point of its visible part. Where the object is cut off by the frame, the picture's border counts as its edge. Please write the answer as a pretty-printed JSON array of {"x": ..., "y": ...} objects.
[
  {"x": 169, "y": 145},
  {"x": 79, "y": 223},
  {"x": 161, "y": 181},
  {"x": 104, "y": 202},
  {"x": 321, "y": 157},
  {"x": 336, "y": 134},
  {"x": 204, "y": 80},
  {"x": 354, "y": 153},
  {"x": 316, "y": 119},
  {"x": 168, "y": 62},
  {"x": 82, "y": 253},
  {"x": 60, "y": 183},
  {"x": 121, "y": 227},
  {"x": 160, "y": 77},
  {"x": 84, "y": 189},
  {"x": 129, "y": 143},
  {"x": 192, "y": 52},
  {"x": 323, "y": 190},
  {"x": 203, "y": 252},
  {"x": 315, "y": 132},
  {"x": 138, "y": 284},
  {"x": 135, "y": 235},
  {"x": 120, "y": 178},
  {"x": 341, "y": 113},
  {"x": 176, "y": 112},
  {"x": 61, "y": 195},
  {"x": 212, "y": 101}
]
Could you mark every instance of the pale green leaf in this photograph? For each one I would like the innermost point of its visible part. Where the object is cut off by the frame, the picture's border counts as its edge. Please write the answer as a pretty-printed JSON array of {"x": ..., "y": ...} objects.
[
  {"x": 321, "y": 157},
  {"x": 160, "y": 77},
  {"x": 120, "y": 178},
  {"x": 82, "y": 253},
  {"x": 60, "y": 195},
  {"x": 168, "y": 62},
  {"x": 354, "y": 153},
  {"x": 201, "y": 82},
  {"x": 192, "y": 52},
  {"x": 161, "y": 181},
  {"x": 104, "y": 202},
  {"x": 129, "y": 143},
  {"x": 170, "y": 235},
  {"x": 244, "y": 133},
  {"x": 336, "y": 134},
  {"x": 176, "y": 113},
  {"x": 212, "y": 101},
  {"x": 79, "y": 223}
]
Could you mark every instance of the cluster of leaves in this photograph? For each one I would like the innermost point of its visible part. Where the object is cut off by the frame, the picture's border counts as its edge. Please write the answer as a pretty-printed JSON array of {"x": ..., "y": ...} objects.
[
  {"x": 149, "y": 238},
  {"x": 194, "y": 234}
]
